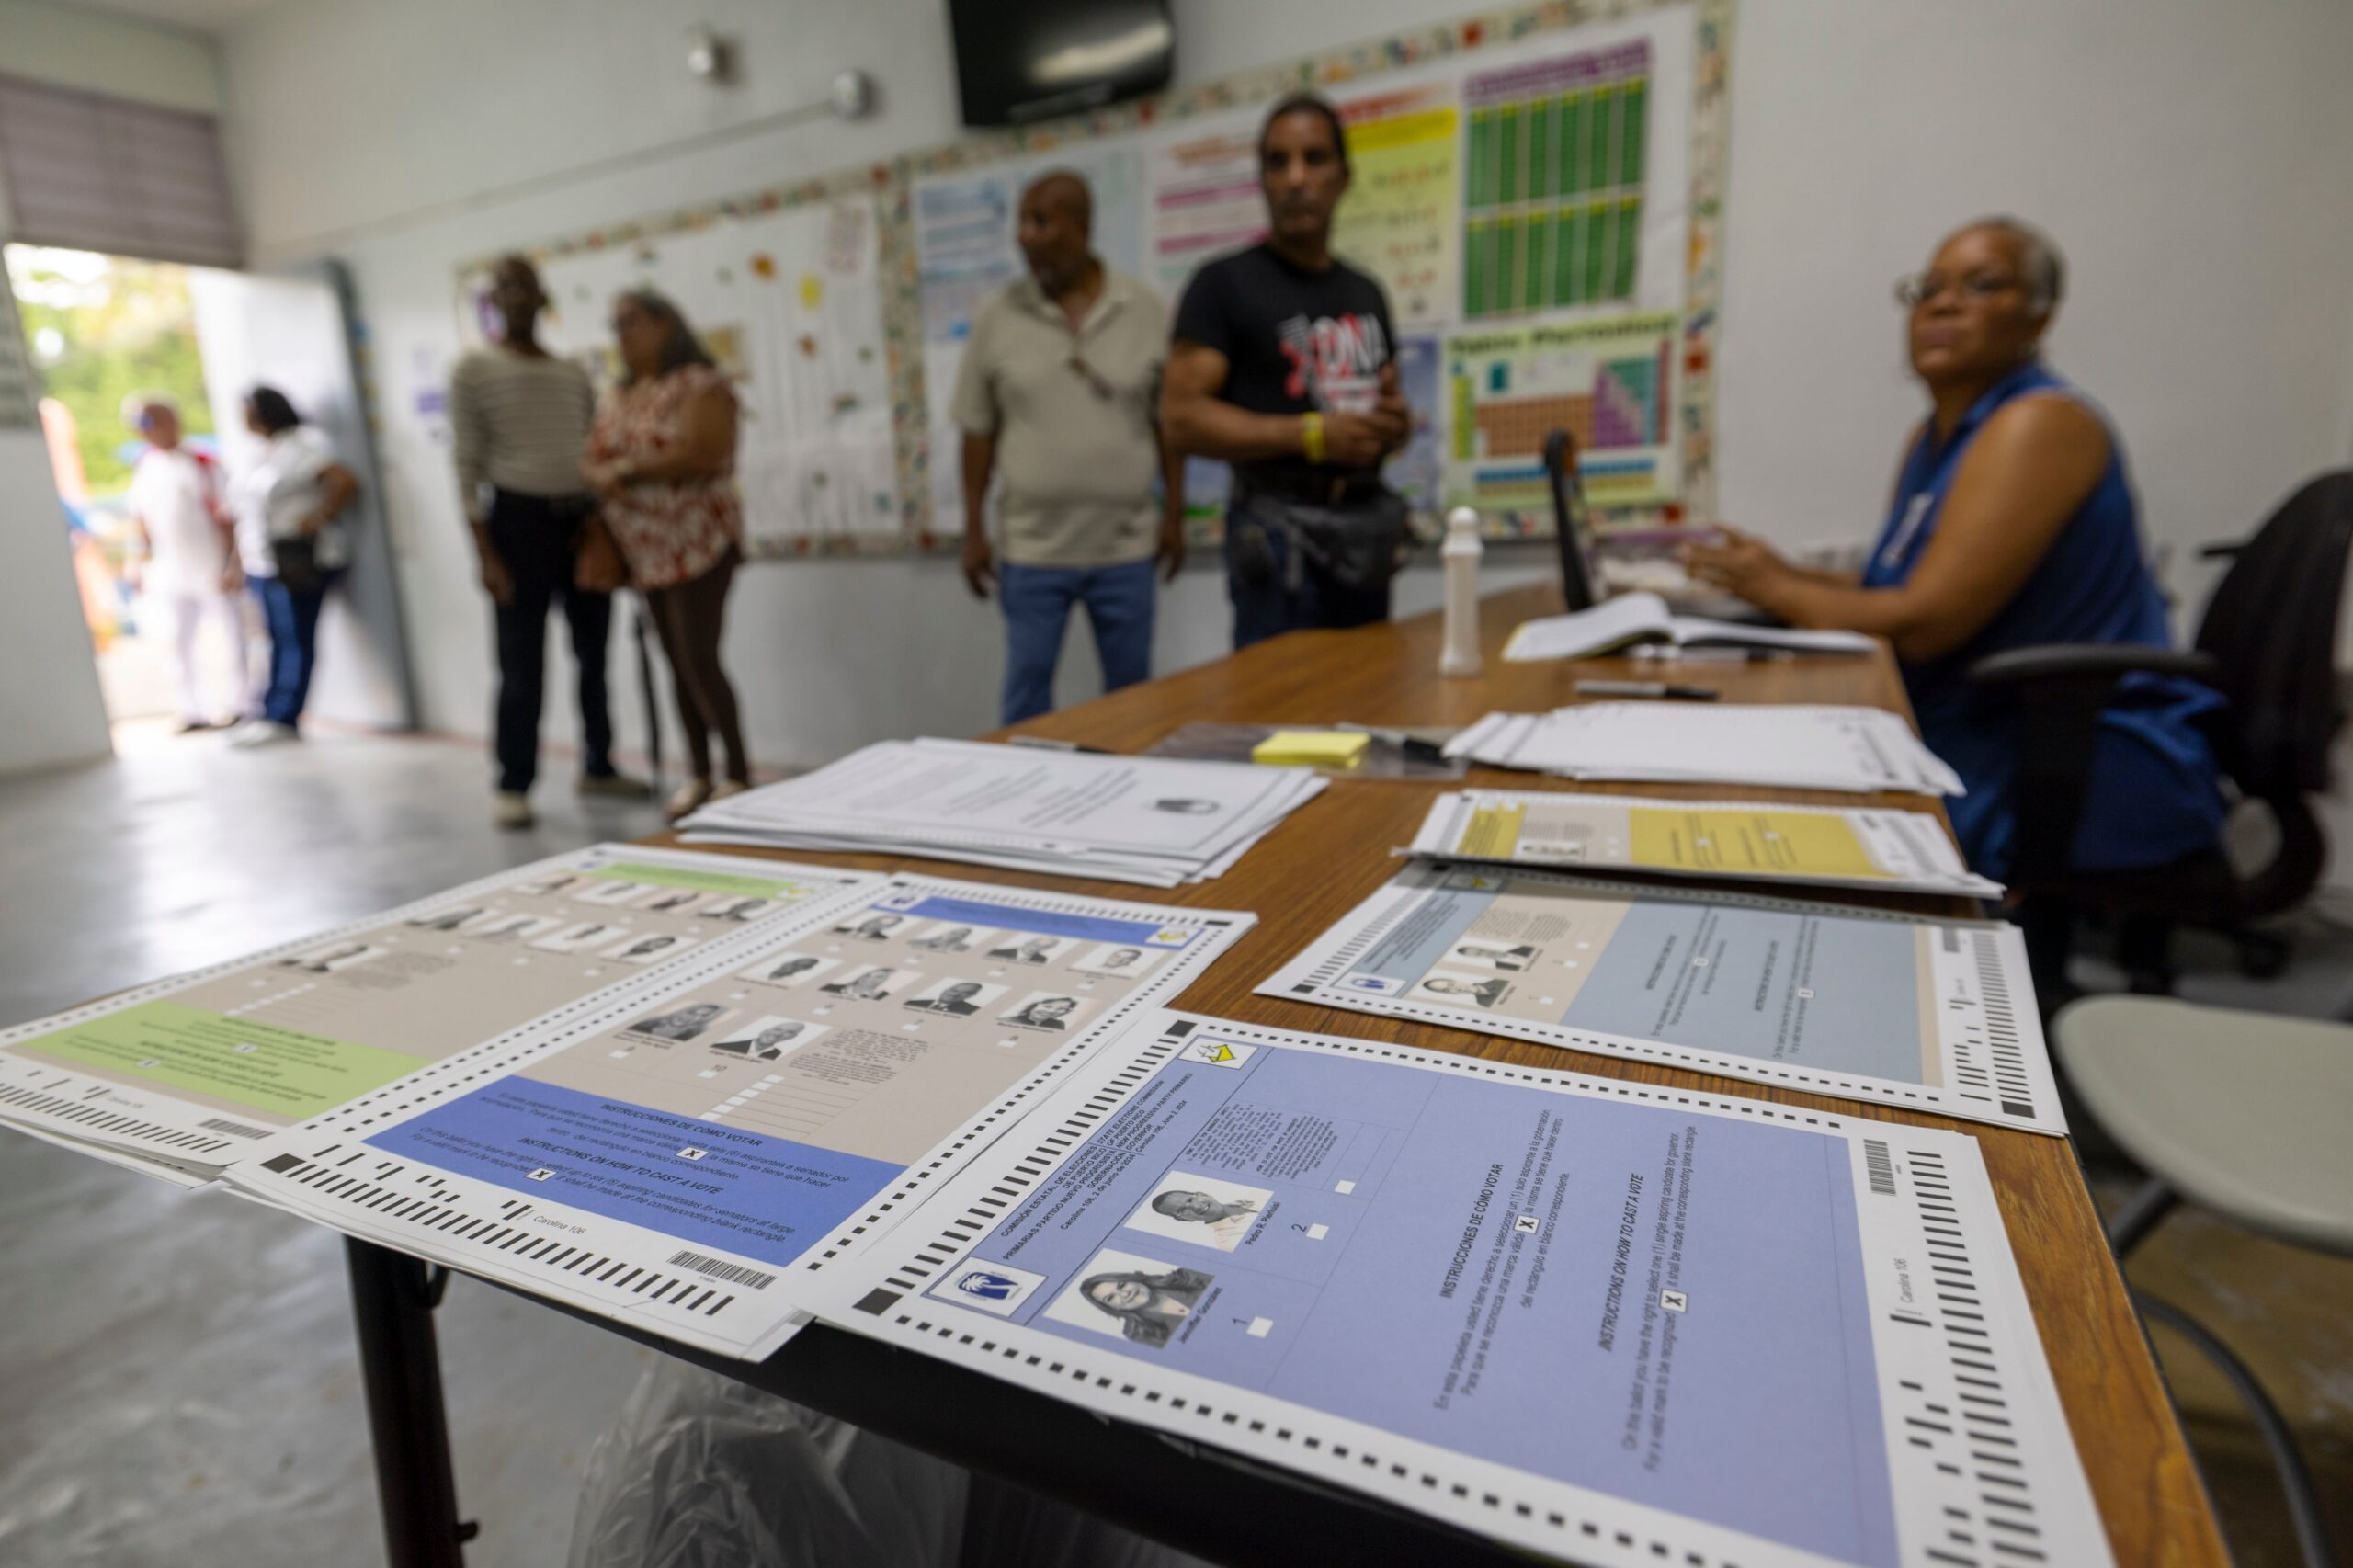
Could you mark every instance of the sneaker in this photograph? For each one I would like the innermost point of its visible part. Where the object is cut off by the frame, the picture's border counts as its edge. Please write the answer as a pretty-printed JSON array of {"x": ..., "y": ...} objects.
[
  {"x": 263, "y": 732},
  {"x": 512, "y": 808},
  {"x": 731, "y": 787},
  {"x": 616, "y": 787},
  {"x": 686, "y": 798}
]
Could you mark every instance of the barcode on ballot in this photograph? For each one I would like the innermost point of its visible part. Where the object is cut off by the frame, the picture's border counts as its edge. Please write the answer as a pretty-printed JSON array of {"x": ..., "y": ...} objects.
[
  {"x": 235, "y": 1129},
  {"x": 735, "y": 1273},
  {"x": 1881, "y": 1164}
]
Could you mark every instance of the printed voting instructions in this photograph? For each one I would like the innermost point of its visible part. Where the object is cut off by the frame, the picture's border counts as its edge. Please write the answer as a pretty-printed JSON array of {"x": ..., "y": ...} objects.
[
  {"x": 1895, "y": 1009},
  {"x": 189, "y": 1072},
  {"x": 1609, "y": 1324},
  {"x": 1792, "y": 746},
  {"x": 1630, "y": 618},
  {"x": 1828, "y": 846},
  {"x": 692, "y": 1161},
  {"x": 1130, "y": 819}
]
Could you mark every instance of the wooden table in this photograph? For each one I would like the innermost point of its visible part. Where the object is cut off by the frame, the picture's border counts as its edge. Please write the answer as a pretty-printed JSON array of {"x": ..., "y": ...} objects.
[{"x": 1307, "y": 873}]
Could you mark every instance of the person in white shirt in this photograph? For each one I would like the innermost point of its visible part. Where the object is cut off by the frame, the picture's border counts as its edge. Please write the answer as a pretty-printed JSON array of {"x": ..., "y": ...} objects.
[
  {"x": 288, "y": 503},
  {"x": 191, "y": 574}
]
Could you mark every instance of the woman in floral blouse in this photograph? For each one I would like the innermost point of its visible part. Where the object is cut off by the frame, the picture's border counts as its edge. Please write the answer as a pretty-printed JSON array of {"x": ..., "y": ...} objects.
[{"x": 662, "y": 459}]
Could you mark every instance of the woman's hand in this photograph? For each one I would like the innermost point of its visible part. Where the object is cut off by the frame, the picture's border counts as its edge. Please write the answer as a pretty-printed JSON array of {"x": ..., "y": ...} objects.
[
  {"x": 598, "y": 568},
  {"x": 607, "y": 478},
  {"x": 1737, "y": 563}
]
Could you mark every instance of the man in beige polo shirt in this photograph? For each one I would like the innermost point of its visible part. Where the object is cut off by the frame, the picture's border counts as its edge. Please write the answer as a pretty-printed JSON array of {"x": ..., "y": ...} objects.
[{"x": 1058, "y": 395}]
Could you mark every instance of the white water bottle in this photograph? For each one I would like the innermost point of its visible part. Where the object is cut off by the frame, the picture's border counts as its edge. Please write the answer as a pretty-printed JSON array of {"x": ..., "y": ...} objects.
[{"x": 1461, "y": 554}]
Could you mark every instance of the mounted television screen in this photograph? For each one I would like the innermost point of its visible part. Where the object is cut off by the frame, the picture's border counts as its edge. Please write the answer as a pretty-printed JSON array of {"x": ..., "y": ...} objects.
[{"x": 1022, "y": 60}]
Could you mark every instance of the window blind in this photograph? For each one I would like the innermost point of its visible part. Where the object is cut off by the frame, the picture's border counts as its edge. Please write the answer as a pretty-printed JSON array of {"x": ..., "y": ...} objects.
[{"x": 88, "y": 171}]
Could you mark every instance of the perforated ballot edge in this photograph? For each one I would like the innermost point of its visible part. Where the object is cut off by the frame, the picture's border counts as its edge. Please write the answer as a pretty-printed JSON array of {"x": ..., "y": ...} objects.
[
  {"x": 180, "y": 1137},
  {"x": 1975, "y": 1441},
  {"x": 683, "y": 1287},
  {"x": 1979, "y": 1001}
]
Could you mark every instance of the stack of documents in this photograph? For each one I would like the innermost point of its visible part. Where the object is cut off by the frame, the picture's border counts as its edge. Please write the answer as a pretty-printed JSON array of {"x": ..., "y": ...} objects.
[
  {"x": 1644, "y": 618},
  {"x": 1794, "y": 746},
  {"x": 1857, "y": 847},
  {"x": 1126, "y": 819}
]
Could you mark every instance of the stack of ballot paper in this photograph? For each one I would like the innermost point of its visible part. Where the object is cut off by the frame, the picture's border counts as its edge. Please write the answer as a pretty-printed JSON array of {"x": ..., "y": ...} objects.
[
  {"x": 1793, "y": 746},
  {"x": 1643, "y": 617},
  {"x": 1126, "y": 819}
]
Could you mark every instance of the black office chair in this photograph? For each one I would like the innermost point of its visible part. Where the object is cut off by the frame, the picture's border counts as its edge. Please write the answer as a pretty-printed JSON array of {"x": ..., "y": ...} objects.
[
  {"x": 2267, "y": 644},
  {"x": 1572, "y": 528}
]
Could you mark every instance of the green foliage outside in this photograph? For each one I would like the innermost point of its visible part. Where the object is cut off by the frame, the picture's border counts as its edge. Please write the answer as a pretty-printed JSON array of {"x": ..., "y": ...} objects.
[{"x": 119, "y": 327}]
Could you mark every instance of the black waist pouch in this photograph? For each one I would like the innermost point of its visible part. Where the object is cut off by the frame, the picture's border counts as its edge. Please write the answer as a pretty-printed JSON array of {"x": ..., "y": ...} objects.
[
  {"x": 1359, "y": 545},
  {"x": 297, "y": 561}
]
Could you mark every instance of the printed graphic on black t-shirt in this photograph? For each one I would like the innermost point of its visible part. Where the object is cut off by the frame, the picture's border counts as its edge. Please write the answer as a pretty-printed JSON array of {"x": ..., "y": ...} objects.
[{"x": 1294, "y": 342}]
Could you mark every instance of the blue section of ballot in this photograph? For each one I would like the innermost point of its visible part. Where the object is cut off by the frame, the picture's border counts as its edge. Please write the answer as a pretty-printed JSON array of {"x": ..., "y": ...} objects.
[
  {"x": 1829, "y": 992},
  {"x": 1045, "y": 922},
  {"x": 738, "y": 1191},
  {"x": 1662, "y": 1306}
]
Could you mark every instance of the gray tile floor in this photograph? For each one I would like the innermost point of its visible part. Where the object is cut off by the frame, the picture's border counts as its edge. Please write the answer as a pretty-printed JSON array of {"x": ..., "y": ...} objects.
[
  {"x": 180, "y": 1375},
  {"x": 182, "y": 1386}
]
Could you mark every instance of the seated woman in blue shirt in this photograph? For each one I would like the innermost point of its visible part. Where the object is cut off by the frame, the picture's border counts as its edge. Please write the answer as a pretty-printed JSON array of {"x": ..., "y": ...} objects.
[{"x": 2013, "y": 523}]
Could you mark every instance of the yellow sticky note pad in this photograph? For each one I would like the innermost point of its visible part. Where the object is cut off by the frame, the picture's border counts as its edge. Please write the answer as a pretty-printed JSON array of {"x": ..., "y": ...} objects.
[
  {"x": 1311, "y": 748},
  {"x": 1762, "y": 841}
]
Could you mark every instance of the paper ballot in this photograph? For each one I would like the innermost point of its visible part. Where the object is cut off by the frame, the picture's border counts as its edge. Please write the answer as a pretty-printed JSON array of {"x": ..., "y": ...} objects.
[
  {"x": 191, "y": 1073},
  {"x": 1795, "y": 746},
  {"x": 1133, "y": 819},
  {"x": 1824, "y": 846},
  {"x": 697, "y": 1157},
  {"x": 1861, "y": 1003},
  {"x": 1628, "y": 619},
  {"x": 1688, "y": 1328}
]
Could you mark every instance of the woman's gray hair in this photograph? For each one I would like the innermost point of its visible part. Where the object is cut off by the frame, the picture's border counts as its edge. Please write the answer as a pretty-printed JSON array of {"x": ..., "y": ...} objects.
[
  {"x": 2038, "y": 258},
  {"x": 680, "y": 347}
]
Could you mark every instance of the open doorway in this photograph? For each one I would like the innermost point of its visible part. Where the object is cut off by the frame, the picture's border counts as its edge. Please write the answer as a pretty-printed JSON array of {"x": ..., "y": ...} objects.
[
  {"x": 110, "y": 337},
  {"x": 136, "y": 356}
]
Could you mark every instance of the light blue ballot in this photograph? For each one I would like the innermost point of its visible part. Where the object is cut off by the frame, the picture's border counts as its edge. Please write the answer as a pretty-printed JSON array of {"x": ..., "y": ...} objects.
[
  {"x": 1831, "y": 992},
  {"x": 1664, "y": 1307}
]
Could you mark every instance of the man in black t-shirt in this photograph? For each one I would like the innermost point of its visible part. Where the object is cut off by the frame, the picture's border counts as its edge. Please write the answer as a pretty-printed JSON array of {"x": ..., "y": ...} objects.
[{"x": 1284, "y": 366}]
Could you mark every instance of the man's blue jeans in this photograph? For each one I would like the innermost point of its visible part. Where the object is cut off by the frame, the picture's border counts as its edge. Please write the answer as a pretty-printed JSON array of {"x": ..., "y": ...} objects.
[{"x": 1038, "y": 601}]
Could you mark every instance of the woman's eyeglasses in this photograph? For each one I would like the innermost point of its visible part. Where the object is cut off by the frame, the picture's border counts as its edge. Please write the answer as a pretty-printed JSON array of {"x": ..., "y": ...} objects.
[{"x": 1917, "y": 289}]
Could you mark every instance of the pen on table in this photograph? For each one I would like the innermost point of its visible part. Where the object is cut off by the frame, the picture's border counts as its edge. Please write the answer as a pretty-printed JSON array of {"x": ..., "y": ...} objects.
[
  {"x": 1041, "y": 743},
  {"x": 1663, "y": 690},
  {"x": 1413, "y": 746}
]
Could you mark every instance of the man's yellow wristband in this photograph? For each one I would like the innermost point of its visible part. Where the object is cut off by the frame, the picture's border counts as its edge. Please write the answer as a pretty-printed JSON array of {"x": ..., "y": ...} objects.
[{"x": 1311, "y": 437}]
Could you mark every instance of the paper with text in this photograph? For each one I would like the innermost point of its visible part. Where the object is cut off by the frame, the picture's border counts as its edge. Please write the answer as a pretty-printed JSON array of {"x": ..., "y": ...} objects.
[{"x": 1604, "y": 1322}]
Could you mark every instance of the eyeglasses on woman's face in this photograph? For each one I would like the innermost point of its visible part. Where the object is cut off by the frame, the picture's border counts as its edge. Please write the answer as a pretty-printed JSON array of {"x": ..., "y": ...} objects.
[{"x": 1973, "y": 287}]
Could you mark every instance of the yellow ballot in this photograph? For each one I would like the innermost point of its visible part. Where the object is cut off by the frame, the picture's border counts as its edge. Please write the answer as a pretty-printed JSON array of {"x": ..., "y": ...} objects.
[{"x": 1311, "y": 748}]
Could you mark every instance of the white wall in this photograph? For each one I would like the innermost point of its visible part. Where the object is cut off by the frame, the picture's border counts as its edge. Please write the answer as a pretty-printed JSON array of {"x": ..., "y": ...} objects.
[
  {"x": 80, "y": 46},
  {"x": 2189, "y": 157},
  {"x": 50, "y": 709},
  {"x": 51, "y": 712}
]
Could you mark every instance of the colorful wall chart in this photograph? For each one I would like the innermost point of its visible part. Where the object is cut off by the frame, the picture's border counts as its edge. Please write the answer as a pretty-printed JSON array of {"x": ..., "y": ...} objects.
[
  {"x": 1607, "y": 382},
  {"x": 1539, "y": 191}
]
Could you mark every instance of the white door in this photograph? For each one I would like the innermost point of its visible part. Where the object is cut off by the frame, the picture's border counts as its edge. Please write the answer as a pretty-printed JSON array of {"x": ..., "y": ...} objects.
[{"x": 291, "y": 330}]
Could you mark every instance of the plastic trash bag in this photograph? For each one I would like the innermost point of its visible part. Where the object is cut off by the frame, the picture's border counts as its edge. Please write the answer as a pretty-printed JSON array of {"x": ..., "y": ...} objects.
[{"x": 702, "y": 1471}]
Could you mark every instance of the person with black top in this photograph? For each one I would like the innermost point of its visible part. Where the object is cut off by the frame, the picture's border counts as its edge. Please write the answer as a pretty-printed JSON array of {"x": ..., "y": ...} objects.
[{"x": 1283, "y": 364}]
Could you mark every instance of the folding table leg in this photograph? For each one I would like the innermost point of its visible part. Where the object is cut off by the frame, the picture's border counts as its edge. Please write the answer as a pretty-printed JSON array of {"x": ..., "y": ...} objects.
[{"x": 392, "y": 1300}]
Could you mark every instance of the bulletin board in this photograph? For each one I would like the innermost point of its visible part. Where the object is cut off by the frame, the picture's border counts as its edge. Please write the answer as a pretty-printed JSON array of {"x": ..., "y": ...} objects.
[{"x": 1539, "y": 191}]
